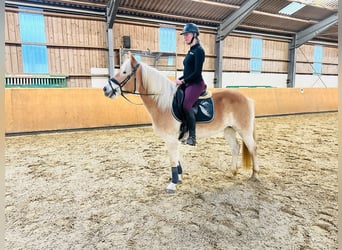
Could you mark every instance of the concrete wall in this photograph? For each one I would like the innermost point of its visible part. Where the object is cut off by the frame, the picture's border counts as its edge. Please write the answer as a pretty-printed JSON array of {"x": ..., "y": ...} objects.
[{"x": 29, "y": 110}]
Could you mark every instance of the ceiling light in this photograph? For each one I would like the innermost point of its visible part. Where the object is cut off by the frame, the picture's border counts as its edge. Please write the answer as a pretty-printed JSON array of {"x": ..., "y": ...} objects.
[{"x": 291, "y": 8}]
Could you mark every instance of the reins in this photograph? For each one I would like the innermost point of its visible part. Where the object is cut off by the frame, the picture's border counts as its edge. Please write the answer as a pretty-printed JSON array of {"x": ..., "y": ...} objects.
[{"x": 123, "y": 83}]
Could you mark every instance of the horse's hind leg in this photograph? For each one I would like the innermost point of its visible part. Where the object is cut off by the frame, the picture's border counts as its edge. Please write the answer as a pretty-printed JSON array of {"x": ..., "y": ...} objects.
[
  {"x": 250, "y": 143},
  {"x": 230, "y": 135}
]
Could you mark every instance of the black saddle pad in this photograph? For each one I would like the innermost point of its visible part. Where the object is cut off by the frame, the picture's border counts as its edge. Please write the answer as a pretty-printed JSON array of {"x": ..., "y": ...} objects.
[{"x": 204, "y": 107}]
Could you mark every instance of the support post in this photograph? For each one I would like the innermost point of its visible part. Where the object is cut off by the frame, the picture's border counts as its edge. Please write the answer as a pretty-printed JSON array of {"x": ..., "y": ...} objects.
[
  {"x": 110, "y": 53},
  {"x": 291, "y": 71},
  {"x": 112, "y": 9},
  {"x": 227, "y": 26},
  {"x": 218, "y": 63}
]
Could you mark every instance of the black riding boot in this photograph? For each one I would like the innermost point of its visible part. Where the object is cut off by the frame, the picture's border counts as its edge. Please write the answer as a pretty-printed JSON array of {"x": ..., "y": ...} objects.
[{"x": 191, "y": 120}]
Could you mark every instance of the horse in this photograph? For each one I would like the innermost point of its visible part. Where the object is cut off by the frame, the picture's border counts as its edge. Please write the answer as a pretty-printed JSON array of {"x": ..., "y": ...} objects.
[{"x": 234, "y": 114}]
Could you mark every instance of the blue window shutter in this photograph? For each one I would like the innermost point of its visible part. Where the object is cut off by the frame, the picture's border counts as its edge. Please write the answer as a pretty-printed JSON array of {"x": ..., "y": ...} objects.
[
  {"x": 256, "y": 48},
  {"x": 170, "y": 60},
  {"x": 167, "y": 39},
  {"x": 317, "y": 67},
  {"x": 32, "y": 30},
  {"x": 255, "y": 65},
  {"x": 318, "y": 53},
  {"x": 35, "y": 59},
  {"x": 256, "y": 55},
  {"x": 318, "y": 59},
  {"x": 32, "y": 27}
]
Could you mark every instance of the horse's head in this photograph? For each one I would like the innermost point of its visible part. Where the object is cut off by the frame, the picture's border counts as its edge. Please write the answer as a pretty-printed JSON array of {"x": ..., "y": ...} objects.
[{"x": 124, "y": 81}]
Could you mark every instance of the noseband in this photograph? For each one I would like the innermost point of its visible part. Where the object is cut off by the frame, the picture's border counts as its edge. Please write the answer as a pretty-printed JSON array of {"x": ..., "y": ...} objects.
[{"x": 123, "y": 83}]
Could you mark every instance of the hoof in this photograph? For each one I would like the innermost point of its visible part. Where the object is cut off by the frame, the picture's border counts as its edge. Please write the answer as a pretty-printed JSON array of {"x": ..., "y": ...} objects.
[
  {"x": 171, "y": 188},
  {"x": 170, "y": 191},
  {"x": 254, "y": 177},
  {"x": 179, "y": 179}
]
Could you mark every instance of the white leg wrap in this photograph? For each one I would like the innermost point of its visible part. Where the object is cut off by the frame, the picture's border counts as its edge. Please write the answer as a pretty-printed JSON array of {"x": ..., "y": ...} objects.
[{"x": 171, "y": 188}]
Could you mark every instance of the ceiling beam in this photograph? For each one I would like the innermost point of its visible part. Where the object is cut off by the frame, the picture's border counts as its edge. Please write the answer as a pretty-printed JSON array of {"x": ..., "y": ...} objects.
[
  {"x": 112, "y": 9},
  {"x": 233, "y": 20},
  {"x": 312, "y": 31}
]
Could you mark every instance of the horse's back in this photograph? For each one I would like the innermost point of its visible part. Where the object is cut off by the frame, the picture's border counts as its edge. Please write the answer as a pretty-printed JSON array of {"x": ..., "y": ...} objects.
[
  {"x": 233, "y": 108},
  {"x": 231, "y": 97}
]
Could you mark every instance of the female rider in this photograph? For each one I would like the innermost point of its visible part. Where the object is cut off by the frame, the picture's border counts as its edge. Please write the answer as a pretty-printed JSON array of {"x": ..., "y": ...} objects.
[{"x": 192, "y": 78}]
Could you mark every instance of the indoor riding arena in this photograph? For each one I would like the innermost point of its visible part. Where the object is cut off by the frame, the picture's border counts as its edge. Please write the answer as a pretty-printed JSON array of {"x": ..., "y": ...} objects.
[{"x": 84, "y": 171}]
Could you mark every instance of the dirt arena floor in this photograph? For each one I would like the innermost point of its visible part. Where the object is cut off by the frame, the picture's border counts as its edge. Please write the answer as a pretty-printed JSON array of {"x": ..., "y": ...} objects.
[{"x": 105, "y": 189}]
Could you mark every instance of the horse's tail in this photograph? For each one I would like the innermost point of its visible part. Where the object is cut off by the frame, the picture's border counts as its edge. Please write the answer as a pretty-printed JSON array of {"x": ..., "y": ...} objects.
[{"x": 246, "y": 155}]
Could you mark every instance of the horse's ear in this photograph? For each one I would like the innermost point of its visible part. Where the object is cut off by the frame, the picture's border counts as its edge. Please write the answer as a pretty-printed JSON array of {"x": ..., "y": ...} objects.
[
  {"x": 133, "y": 60},
  {"x": 127, "y": 56}
]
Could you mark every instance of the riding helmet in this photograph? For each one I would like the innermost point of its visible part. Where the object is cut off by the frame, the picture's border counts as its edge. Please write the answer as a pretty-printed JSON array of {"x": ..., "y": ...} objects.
[{"x": 190, "y": 28}]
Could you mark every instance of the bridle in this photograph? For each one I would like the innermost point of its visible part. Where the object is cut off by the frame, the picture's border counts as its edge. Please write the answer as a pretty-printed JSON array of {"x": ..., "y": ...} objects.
[{"x": 123, "y": 83}]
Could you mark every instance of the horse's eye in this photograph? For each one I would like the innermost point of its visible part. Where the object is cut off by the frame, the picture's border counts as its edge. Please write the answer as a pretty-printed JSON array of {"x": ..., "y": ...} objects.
[{"x": 124, "y": 72}]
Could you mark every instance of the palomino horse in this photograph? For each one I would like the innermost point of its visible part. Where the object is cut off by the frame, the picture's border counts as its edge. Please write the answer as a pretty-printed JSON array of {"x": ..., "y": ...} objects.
[{"x": 233, "y": 113}]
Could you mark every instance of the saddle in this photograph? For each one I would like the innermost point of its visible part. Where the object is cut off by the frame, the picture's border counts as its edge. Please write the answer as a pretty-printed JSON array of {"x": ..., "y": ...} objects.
[{"x": 203, "y": 109}]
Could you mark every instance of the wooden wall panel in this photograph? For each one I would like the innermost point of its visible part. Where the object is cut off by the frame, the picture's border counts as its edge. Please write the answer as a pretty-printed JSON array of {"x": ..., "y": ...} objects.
[
  {"x": 182, "y": 47},
  {"x": 235, "y": 64},
  {"x": 329, "y": 69},
  {"x": 13, "y": 59},
  {"x": 73, "y": 31},
  {"x": 330, "y": 55},
  {"x": 274, "y": 66},
  {"x": 12, "y": 31},
  {"x": 209, "y": 63},
  {"x": 235, "y": 46},
  {"x": 277, "y": 50},
  {"x": 304, "y": 68},
  {"x": 208, "y": 43},
  {"x": 141, "y": 37},
  {"x": 75, "y": 61},
  {"x": 75, "y": 45},
  {"x": 305, "y": 53}
]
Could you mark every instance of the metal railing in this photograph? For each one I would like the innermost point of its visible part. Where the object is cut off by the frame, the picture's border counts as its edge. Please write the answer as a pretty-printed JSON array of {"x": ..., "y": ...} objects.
[{"x": 35, "y": 81}]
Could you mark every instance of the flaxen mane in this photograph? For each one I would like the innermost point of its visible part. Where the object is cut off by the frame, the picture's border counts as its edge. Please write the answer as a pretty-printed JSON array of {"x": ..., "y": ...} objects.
[{"x": 157, "y": 83}]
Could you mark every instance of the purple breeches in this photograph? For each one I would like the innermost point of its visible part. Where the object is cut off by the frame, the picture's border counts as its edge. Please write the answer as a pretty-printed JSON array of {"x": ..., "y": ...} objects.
[{"x": 192, "y": 92}]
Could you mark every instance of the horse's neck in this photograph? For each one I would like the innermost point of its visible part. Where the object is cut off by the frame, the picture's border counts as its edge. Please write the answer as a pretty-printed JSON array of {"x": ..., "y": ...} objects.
[{"x": 157, "y": 101}]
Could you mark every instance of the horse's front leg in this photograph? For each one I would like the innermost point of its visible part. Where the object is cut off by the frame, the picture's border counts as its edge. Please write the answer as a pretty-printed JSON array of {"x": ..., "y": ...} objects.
[{"x": 176, "y": 168}]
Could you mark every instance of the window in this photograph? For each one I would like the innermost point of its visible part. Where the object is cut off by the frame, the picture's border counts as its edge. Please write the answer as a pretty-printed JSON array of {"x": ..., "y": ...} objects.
[
  {"x": 318, "y": 58},
  {"x": 167, "y": 42},
  {"x": 33, "y": 39},
  {"x": 167, "y": 39},
  {"x": 34, "y": 59},
  {"x": 256, "y": 55}
]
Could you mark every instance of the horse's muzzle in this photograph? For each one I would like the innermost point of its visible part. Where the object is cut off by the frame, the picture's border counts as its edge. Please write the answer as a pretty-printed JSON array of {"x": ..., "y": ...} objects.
[{"x": 109, "y": 90}]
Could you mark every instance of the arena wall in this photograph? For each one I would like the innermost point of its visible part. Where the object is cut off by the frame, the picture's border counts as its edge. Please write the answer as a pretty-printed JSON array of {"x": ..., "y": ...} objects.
[{"x": 33, "y": 110}]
